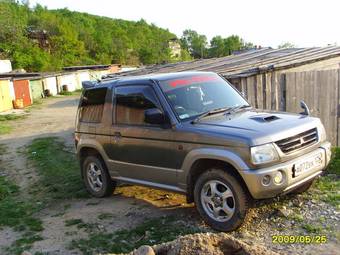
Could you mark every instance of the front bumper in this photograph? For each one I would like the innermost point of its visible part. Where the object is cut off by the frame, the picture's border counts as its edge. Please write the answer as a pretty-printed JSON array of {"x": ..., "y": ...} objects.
[{"x": 254, "y": 178}]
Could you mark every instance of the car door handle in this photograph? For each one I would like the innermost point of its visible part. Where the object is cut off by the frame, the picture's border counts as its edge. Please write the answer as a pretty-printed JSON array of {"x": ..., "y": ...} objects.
[
  {"x": 117, "y": 134},
  {"x": 116, "y": 137}
]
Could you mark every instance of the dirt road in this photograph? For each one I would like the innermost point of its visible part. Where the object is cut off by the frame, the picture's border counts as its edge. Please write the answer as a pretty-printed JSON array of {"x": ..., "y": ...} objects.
[
  {"x": 129, "y": 206},
  {"x": 56, "y": 118}
]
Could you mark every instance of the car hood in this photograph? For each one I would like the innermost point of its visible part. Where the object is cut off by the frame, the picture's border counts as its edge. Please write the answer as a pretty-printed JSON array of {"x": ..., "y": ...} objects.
[{"x": 257, "y": 127}]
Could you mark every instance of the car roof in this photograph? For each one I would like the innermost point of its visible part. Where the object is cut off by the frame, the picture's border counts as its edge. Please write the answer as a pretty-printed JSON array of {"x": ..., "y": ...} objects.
[{"x": 121, "y": 80}]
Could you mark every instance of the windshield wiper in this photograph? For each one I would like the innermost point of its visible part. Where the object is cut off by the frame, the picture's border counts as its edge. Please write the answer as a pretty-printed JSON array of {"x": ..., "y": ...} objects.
[
  {"x": 211, "y": 112},
  {"x": 235, "y": 108}
]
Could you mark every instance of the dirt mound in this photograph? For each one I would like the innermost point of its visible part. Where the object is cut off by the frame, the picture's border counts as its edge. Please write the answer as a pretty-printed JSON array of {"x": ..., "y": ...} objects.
[{"x": 208, "y": 243}]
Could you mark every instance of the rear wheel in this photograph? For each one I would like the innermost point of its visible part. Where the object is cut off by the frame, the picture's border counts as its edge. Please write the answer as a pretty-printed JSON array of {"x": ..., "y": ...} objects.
[
  {"x": 220, "y": 200},
  {"x": 96, "y": 177}
]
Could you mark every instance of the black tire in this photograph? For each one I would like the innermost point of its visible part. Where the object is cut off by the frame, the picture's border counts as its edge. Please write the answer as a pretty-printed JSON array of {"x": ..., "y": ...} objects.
[
  {"x": 240, "y": 199},
  {"x": 303, "y": 188},
  {"x": 107, "y": 186}
]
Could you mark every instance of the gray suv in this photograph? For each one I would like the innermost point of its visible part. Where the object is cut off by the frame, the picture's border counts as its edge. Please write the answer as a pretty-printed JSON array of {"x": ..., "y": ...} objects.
[{"x": 194, "y": 133}]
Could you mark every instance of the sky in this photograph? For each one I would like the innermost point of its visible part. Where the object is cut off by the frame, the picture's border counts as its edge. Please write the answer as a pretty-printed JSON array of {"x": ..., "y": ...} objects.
[{"x": 305, "y": 23}]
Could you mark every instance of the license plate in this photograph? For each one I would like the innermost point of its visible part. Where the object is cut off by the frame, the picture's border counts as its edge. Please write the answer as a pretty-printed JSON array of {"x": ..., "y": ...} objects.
[{"x": 308, "y": 164}]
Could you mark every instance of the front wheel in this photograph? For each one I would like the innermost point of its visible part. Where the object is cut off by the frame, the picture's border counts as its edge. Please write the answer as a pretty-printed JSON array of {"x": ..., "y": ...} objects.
[
  {"x": 96, "y": 177},
  {"x": 220, "y": 200}
]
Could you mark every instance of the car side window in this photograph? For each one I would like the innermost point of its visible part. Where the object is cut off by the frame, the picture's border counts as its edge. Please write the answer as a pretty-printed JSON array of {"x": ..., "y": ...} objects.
[
  {"x": 92, "y": 105},
  {"x": 131, "y": 103}
]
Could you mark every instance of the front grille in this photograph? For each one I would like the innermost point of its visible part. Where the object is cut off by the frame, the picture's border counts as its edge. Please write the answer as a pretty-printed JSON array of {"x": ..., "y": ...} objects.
[{"x": 299, "y": 141}]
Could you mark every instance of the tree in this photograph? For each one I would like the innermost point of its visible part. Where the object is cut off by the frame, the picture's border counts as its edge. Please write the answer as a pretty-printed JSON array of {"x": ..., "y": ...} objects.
[
  {"x": 194, "y": 43},
  {"x": 217, "y": 47},
  {"x": 76, "y": 38},
  {"x": 220, "y": 47},
  {"x": 232, "y": 43},
  {"x": 286, "y": 45}
]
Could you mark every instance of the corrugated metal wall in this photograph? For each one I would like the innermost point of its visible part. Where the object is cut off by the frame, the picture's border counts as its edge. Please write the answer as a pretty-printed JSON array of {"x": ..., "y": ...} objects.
[
  {"x": 5, "y": 97},
  {"x": 50, "y": 83},
  {"x": 22, "y": 91},
  {"x": 36, "y": 89},
  {"x": 70, "y": 80}
]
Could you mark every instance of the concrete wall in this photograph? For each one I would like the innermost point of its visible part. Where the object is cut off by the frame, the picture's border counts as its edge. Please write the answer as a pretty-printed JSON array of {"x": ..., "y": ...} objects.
[
  {"x": 50, "y": 83},
  {"x": 70, "y": 80},
  {"x": 5, "y": 66}
]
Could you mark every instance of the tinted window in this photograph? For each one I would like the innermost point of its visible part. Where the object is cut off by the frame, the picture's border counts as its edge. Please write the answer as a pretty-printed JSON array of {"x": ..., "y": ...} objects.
[
  {"x": 193, "y": 95},
  {"x": 92, "y": 105},
  {"x": 132, "y": 101}
]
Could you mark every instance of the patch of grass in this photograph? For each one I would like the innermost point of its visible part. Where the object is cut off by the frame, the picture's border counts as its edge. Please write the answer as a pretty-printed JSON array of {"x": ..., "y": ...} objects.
[
  {"x": 8, "y": 117},
  {"x": 296, "y": 217},
  {"x": 69, "y": 93},
  {"x": 37, "y": 104},
  {"x": 104, "y": 216},
  {"x": 58, "y": 169},
  {"x": 23, "y": 244},
  {"x": 2, "y": 149},
  {"x": 13, "y": 211},
  {"x": 328, "y": 188},
  {"x": 316, "y": 229},
  {"x": 66, "y": 93},
  {"x": 73, "y": 222},
  {"x": 149, "y": 233},
  {"x": 322, "y": 219},
  {"x": 89, "y": 227},
  {"x": 5, "y": 129},
  {"x": 334, "y": 165},
  {"x": 7, "y": 188}
]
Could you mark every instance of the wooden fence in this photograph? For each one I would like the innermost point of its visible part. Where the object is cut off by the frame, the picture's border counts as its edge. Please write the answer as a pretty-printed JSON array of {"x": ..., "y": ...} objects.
[{"x": 283, "y": 91}]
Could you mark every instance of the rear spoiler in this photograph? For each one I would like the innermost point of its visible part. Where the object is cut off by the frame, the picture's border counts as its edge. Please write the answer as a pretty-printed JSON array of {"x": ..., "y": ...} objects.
[{"x": 88, "y": 84}]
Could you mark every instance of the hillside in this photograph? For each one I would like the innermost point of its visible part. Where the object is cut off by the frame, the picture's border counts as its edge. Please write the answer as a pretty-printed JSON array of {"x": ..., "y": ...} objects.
[{"x": 38, "y": 39}]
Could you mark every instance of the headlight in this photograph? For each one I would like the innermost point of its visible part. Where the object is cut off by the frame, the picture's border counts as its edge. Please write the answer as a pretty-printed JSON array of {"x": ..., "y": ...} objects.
[
  {"x": 263, "y": 154},
  {"x": 322, "y": 133}
]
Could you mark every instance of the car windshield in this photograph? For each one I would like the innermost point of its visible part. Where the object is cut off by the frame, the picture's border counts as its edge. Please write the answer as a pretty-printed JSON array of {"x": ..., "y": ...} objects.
[{"x": 192, "y": 96}]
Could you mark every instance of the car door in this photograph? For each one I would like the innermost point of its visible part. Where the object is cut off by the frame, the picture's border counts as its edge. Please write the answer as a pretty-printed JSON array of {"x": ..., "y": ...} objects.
[{"x": 141, "y": 152}]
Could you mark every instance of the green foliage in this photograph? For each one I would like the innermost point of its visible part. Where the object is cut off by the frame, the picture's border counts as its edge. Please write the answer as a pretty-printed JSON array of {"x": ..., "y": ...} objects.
[
  {"x": 148, "y": 233},
  {"x": 24, "y": 243},
  {"x": 315, "y": 229},
  {"x": 13, "y": 211},
  {"x": 5, "y": 129},
  {"x": 286, "y": 45},
  {"x": 328, "y": 186},
  {"x": 334, "y": 165},
  {"x": 6, "y": 117},
  {"x": 197, "y": 45},
  {"x": 58, "y": 169},
  {"x": 194, "y": 43},
  {"x": 72, "y": 222},
  {"x": 75, "y": 38},
  {"x": 328, "y": 190},
  {"x": 220, "y": 47},
  {"x": 5, "y": 122}
]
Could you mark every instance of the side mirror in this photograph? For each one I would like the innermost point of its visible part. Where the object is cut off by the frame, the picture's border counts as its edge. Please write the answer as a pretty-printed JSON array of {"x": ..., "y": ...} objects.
[
  {"x": 154, "y": 116},
  {"x": 305, "y": 108}
]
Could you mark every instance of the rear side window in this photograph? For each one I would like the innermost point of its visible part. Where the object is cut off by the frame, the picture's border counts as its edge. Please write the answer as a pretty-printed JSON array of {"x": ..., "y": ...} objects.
[
  {"x": 92, "y": 105},
  {"x": 132, "y": 101}
]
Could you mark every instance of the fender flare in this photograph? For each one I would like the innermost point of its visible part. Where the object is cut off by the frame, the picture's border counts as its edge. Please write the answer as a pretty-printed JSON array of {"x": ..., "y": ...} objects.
[
  {"x": 224, "y": 155},
  {"x": 92, "y": 144}
]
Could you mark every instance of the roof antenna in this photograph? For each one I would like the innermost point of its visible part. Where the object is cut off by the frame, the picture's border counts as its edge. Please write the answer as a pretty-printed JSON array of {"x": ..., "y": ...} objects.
[
  {"x": 304, "y": 106},
  {"x": 94, "y": 77}
]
